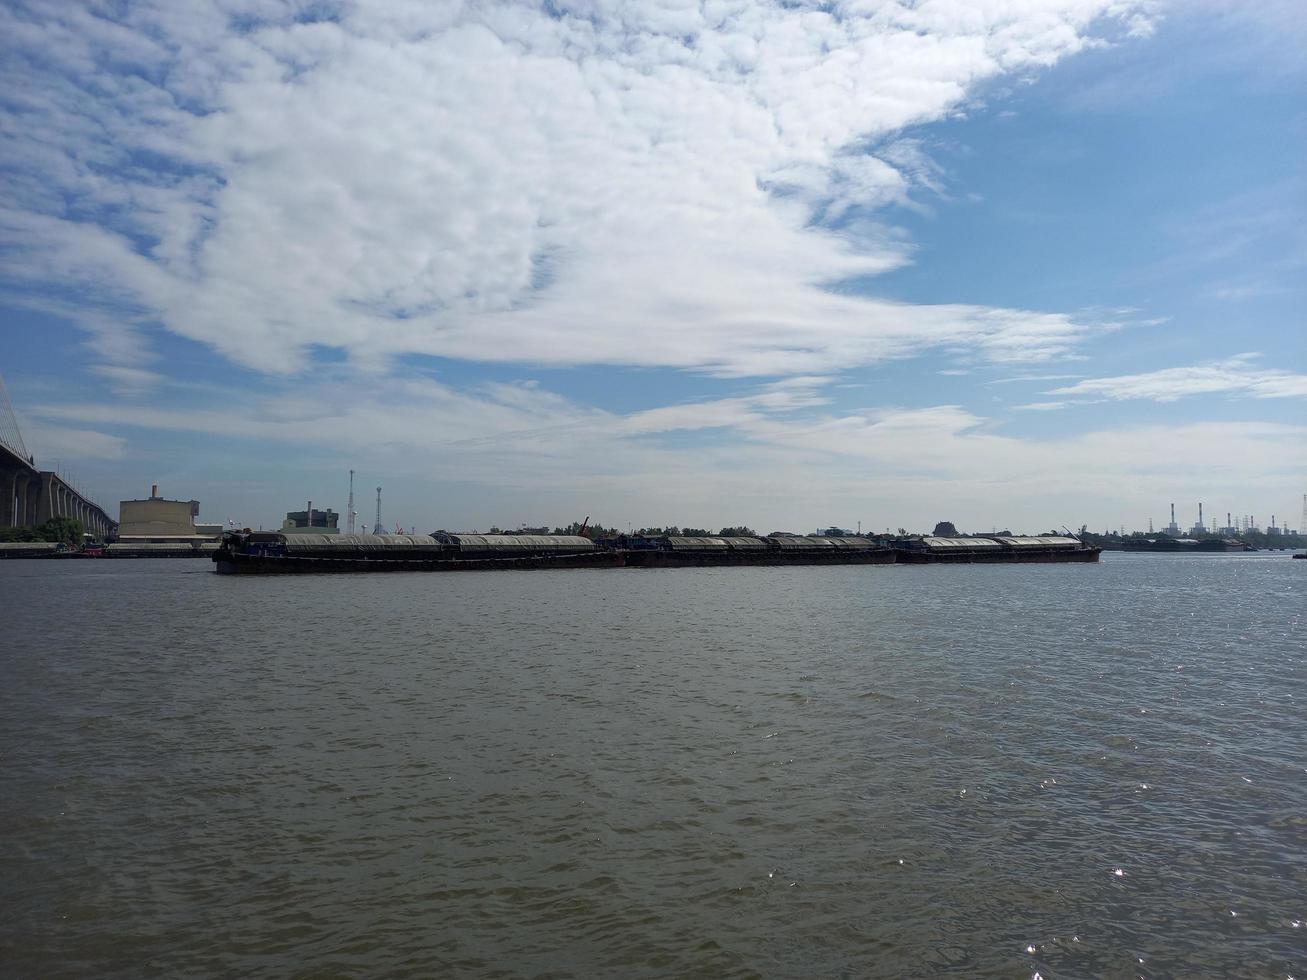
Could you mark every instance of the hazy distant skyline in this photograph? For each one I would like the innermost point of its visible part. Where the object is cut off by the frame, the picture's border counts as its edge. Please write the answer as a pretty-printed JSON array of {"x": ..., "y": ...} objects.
[{"x": 788, "y": 265}]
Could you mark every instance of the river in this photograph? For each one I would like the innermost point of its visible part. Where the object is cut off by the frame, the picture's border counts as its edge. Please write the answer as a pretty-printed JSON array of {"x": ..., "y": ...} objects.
[{"x": 976, "y": 771}]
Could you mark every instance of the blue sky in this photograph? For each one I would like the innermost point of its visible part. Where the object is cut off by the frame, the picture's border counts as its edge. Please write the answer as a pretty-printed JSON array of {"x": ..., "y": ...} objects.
[{"x": 1014, "y": 264}]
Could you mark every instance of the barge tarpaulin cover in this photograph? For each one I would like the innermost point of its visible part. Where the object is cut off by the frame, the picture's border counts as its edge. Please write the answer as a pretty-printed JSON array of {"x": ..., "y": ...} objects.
[
  {"x": 1008, "y": 548},
  {"x": 813, "y": 542},
  {"x": 357, "y": 545},
  {"x": 960, "y": 544},
  {"x": 1045, "y": 542},
  {"x": 517, "y": 544}
]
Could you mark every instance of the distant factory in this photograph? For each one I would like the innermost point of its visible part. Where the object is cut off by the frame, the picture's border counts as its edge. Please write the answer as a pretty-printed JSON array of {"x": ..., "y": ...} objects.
[
  {"x": 160, "y": 528},
  {"x": 157, "y": 520},
  {"x": 310, "y": 521},
  {"x": 1235, "y": 525}
]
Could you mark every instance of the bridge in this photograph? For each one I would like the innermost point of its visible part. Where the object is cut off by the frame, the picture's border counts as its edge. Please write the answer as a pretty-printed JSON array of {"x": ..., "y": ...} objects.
[{"x": 30, "y": 496}]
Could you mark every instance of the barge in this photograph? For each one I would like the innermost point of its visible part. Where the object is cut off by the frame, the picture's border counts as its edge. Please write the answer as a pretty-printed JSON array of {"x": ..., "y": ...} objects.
[
  {"x": 1003, "y": 548},
  {"x": 680, "y": 552},
  {"x": 273, "y": 551},
  {"x": 1192, "y": 545}
]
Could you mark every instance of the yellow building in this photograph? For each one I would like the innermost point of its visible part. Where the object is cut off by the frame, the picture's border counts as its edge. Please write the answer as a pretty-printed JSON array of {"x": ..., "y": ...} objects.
[{"x": 159, "y": 521}]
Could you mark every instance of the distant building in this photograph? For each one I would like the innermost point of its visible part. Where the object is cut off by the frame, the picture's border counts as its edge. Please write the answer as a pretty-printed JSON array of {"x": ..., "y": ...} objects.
[
  {"x": 311, "y": 521},
  {"x": 159, "y": 521}
]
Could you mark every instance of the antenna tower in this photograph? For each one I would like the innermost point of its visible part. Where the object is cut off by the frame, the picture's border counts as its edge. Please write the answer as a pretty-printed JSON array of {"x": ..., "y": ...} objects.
[
  {"x": 1302, "y": 528},
  {"x": 349, "y": 517},
  {"x": 376, "y": 525}
]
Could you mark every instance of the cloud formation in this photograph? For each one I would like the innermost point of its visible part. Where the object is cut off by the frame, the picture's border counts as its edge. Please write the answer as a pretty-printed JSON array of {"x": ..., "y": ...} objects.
[
  {"x": 785, "y": 459},
  {"x": 677, "y": 184},
  {"x": 1237, "y": 375}
]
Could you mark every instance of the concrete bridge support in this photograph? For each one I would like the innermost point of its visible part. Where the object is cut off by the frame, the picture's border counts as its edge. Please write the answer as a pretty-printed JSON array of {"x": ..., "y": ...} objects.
[
  {"x": 8, "y": 498},
  {"x": 29, "y": 498}
]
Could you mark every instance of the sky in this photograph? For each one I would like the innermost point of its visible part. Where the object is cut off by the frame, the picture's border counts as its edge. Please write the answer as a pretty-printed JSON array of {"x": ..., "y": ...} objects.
[{"x": 1017, "y": 264}]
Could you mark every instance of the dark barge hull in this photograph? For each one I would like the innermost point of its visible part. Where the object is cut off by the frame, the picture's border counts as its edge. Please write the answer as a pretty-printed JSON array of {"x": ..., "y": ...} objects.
[
  {"x": 276, "y": 553},
  {"x": 674, "y": 559},
  {"x": 1174, "y": 547},
  {"x": 227, "y": 563},
  {"x": 908, "y": 557}
]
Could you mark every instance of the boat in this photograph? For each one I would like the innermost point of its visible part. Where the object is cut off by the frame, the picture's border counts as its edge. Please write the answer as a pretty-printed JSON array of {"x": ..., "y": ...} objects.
[
  {"x": 1190, "y": 545},
  {"x": 277, "y": 551},
  {"x": 274, "y": 551},
  {"x": 928, "y": 549},
  {"x": 676, "y": 551}
]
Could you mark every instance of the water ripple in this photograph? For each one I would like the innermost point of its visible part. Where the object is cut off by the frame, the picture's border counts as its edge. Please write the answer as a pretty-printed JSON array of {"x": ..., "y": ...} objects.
[{"x": 860, "y": 772}]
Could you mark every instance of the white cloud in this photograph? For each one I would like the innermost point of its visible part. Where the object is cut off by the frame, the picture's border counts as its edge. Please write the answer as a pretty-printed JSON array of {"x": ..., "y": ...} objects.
[
  {"x": 633, "y": 183},
  {"x": 1236, "y": 375},
  {"x": 55, "y": 443},
  {"x": 1022, "y": 378},
  {"x": 503, "y": 453},
  {"x": 129, "y": 380}
]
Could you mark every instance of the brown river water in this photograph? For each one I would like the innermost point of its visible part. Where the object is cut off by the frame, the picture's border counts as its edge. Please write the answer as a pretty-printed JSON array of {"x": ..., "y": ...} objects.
[{"x": 970, "y": 771}]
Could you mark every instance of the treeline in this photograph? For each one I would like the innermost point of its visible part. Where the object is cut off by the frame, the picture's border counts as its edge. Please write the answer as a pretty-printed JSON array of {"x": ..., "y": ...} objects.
[{"x": 64, "y": 529}]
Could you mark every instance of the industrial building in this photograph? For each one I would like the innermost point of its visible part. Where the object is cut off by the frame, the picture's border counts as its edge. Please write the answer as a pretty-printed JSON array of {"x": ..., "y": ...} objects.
[
  {"x": 160, "y": 528},
  {"x": 311, "y": 521},
  {"x": 159, "y": 521}
]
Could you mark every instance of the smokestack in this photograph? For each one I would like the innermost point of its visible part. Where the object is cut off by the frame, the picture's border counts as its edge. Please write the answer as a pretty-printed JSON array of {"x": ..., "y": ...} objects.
[
  {"x": 154, "y": 490},
  {"x": 1173, "y": 515},
  {"x": 310, "y": 515},
  {"x": 1200, "y": 516}
]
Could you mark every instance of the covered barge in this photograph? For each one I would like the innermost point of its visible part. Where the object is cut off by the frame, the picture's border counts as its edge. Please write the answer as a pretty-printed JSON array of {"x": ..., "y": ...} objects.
[
  {"x": 274, "y": 551},
  {"x": 1002, "y": 548},
  {"x": 679, "y": 552}
]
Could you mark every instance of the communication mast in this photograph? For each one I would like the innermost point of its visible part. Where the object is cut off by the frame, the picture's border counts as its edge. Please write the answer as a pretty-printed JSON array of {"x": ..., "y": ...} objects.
[
  {"x": 376, "y": 525},
  {"x": 349, "y": 516}
]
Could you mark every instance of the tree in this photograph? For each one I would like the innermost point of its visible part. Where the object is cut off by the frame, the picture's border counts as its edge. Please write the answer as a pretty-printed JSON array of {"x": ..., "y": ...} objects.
[
  {"x": 64, "y": 529},
  {"x": 592, "y": 530},
  {"x": 738, "y": 532}
]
